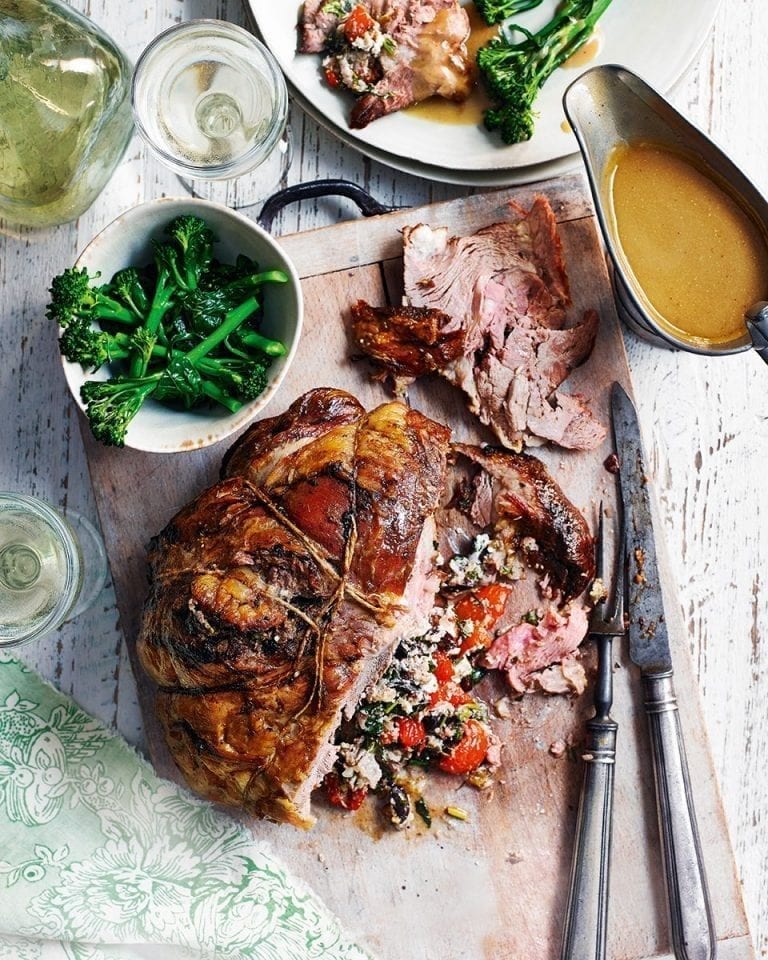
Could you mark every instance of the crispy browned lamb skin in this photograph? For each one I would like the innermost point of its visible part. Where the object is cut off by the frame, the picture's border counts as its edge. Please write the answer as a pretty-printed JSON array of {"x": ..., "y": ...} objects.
[
  {"x": 279, "y": 594},
  {"x": 408, "y": 341},
  {"x": 431, "y": 56},
  {"x": 507, "y": 291}
]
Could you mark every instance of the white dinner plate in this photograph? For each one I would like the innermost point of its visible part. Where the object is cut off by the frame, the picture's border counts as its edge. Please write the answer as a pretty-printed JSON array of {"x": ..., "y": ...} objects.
[{"x": 655, "y": 38}]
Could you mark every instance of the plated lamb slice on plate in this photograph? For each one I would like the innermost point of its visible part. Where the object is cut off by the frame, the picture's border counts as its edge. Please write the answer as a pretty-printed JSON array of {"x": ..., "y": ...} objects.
[
  {"x": 488, "y": 312},
  {"x": 278, "y": 595},
  {"x": 390, "y": 53}
]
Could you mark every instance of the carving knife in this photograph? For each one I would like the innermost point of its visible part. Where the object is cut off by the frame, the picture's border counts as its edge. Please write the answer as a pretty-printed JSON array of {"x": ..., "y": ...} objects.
[{"x": 692, "y": 928}]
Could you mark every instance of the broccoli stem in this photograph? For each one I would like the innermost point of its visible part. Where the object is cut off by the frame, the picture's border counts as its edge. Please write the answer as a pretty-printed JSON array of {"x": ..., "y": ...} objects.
[
  {"x": 230, "y": 323},
  {"x": 161, "y": 301},
  {"x": 272, "y": 348},
  {"x": 214, "y": 391},
  {"x": 109, "y": 309}
]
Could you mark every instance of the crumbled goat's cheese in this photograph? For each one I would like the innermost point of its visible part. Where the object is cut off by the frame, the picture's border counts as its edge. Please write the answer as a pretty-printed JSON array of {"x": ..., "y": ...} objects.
[
  {"x": 360, "y": 766},
  {"x": 462, "y": 668},
  {"x": 469, "y": 569},
  {"x": 382, "y": 693}
]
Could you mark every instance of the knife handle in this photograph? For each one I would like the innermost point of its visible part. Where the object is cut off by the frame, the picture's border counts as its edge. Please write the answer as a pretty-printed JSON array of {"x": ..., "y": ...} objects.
[
  {"x": 586, "y": 918},
  {"x": 693, "y": 935}
]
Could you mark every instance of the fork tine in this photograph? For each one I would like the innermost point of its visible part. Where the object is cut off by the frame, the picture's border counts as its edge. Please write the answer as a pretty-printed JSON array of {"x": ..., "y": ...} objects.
[
  {"x": 619, "y": 586},
  {"x": 600, "y": 545},
  {"x": 608, "y": 612}
]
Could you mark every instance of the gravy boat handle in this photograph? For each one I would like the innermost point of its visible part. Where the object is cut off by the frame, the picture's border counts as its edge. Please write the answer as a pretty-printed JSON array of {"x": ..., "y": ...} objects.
[{"x": 757, "y": 324}]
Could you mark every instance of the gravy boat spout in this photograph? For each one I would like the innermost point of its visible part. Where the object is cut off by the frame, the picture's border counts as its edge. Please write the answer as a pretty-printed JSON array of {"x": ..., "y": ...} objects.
[{"x": 609, "y": 107}]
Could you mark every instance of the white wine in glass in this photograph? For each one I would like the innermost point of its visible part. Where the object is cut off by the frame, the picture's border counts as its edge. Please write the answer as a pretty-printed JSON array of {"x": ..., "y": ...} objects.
[
  {"x": 51, "y": 568},
  {"x": 211, "y": 102}
]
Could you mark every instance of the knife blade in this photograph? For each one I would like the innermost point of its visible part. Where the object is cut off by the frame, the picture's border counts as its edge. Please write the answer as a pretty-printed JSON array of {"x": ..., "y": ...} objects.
[
  {"x": 648, "y": 637},
  {"x": 690, "y": 912}
]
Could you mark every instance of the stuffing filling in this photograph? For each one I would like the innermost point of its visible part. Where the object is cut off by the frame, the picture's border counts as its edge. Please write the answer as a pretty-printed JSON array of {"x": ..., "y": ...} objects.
[
  {"x": 423, "y": 712},
  {"x": 355, "y": 48}
]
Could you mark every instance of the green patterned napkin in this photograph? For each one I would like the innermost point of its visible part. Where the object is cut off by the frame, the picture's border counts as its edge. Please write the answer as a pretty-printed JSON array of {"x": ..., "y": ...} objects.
[{"x": 100, "y": 859}]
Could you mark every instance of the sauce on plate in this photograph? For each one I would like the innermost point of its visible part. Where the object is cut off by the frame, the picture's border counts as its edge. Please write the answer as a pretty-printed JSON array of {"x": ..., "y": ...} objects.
[
  {"x": 696, "y": 252},
  {"x": 586, "y": 53}
]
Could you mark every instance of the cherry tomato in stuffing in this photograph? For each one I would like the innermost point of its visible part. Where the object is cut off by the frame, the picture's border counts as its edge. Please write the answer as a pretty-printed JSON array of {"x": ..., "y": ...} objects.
[
  {"x": 339, "y": 794},
  {"x": 358, "y": 23},
  {"x": 412, "y": 732},
  {"x": 450, "y": 693},
  {"x": 331, "y": 77},
  {"x": 493, "y": 596},
  {"x": 470, "y": 608},
  {"x": 484, "y": 606},
  {"x": 443, "y": 667},
  {"x": 478, "y": 638},
  {"x": 469, "y": 752}
]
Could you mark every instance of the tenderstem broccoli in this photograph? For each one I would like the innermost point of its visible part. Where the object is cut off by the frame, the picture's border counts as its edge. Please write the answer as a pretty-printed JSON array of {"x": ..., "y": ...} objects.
[
  {"x": 92, "y": 348},
  {"x": 494, "y": 11},
  {"x": 183, "y": 329},
  {"x": 73, "y": 298},
  {"x": 515, "y": 71},
  {"x": 112, "y": 404}
]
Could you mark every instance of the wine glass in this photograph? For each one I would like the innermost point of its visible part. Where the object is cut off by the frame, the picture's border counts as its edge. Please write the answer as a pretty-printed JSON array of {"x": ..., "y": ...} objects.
[
  {"x": 52, "y": 567},
  {"x": 211, "y": 102}
]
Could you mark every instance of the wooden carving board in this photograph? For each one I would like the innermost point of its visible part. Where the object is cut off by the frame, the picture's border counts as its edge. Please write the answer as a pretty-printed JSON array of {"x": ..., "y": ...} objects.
[{"x": 494, "y": 887}]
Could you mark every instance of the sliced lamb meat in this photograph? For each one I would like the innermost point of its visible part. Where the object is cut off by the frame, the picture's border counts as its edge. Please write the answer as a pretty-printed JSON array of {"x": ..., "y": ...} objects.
[
  {"x": 315, "y": 26},
  {"x": 278, "y": 596},
  {"x": 511, "y": 270},
  {"x": 520, "y": 495},
  {"x": 506, "y": 287},
  {"x": 430, "y": 60},
  {"x": 568, "y": 676},
  {"x": 528, "y": 648},
  {"x": 506, "y": 290},
  {"x": 538, "y": 544},
  {"x": 412, "y": 50}
]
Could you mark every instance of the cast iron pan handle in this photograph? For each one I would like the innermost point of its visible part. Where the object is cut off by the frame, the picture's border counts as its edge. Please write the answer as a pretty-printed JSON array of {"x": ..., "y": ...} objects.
[{"x": 369, "y": 207}]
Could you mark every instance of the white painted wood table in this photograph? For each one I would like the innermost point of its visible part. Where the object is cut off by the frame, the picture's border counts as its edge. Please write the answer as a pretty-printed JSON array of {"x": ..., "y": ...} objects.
[{"x": 708, "y": 419}]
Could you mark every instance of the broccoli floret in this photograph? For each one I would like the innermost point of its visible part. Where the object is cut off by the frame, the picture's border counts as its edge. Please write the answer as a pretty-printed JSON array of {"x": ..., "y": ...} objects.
[
  {"x": 515, "y": 71},
  {"x": 110, "y": 405},
  {"x": 494, "y": 11},
  {"x": 189, "y": 256},
  {"x": 254, "y": 384},
  {"x": 126, "y": 286},
  {"x": 91, "y": 348},
  {"x": 243, "y": 378},
  {"x": 73, "y": 298}
]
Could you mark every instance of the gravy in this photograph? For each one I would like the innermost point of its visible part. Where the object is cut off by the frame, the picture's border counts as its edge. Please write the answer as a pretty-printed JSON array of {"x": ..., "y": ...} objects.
[
  {"x": 586, "y": 53},
  {"x": 697, "y": 254}
]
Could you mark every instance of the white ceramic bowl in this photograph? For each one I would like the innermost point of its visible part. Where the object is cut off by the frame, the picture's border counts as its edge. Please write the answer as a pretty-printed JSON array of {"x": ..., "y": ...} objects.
[{"x": 126, "y": 242}]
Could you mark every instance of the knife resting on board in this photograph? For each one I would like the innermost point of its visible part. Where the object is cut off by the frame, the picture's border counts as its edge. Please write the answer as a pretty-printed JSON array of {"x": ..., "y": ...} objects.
[{"x": 692, "y": 927}]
